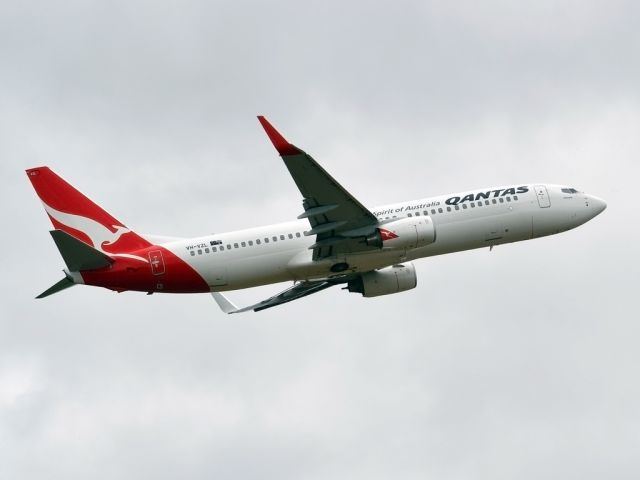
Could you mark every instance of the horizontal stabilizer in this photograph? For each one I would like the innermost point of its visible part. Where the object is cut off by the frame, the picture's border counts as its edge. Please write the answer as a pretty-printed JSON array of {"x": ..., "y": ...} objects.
[
  {"x": 63, "y": 284},
  {"x": 78, "y": 255}
]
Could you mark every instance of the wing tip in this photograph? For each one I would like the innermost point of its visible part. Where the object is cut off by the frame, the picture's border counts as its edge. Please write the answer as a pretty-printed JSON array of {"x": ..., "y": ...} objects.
[
  {"x": 279, "y": 142},
  {"x": 224, "y": 303}
]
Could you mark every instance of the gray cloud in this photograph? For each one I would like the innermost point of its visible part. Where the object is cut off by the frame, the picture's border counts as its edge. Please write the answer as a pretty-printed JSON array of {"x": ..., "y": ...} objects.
[{"x": 518, "y": 363}]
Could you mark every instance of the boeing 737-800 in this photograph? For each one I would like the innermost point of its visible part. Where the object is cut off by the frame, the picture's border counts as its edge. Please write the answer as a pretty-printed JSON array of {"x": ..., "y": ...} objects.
[{"x": 335, "y": 240}]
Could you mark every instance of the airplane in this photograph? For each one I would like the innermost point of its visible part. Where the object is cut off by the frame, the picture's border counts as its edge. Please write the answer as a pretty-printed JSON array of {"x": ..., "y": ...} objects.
[{"x": 336, "y": 240}]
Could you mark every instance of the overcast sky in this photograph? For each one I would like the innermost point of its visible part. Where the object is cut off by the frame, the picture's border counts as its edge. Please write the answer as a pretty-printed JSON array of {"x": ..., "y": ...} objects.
[{"x": 519, "y": 363}]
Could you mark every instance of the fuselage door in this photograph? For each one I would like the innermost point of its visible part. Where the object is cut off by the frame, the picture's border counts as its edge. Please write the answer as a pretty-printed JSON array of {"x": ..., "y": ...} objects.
[
  {"x": 157, "y": 262},
  {"x": 543, "y": 196}
]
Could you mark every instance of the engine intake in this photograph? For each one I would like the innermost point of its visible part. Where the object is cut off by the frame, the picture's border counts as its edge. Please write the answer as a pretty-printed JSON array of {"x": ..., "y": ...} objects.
[{"x": 393, "y": 279}]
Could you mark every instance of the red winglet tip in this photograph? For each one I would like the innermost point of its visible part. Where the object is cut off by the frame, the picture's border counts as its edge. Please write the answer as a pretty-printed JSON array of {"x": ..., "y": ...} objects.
[{"x": 282, "y": 146}]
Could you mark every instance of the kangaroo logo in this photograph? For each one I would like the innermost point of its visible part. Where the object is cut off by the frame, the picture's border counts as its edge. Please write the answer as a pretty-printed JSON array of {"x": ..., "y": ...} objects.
[
  {"x": 97, "y": 233},
  {"x": 386, "y": 234}
]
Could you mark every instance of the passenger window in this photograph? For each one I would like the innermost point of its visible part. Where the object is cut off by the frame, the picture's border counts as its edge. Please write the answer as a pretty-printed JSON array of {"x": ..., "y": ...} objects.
[
  {"x": 274, "y": 238},
  {"x": 417, "y": 214},
  {"x": 214, "y": 249},
  {"x": 244, "y": 244},
  {"x": 206, "y": 250},
  {"x": 433, "y": 211},
  {"x": 251, "y": 243},
  {"x": 440, "y": 210},
  {"x": 291, "y": 235},
  {"x": 281, "y": 237},
  {"x": 235, "y": 245},
  {"x": 486, "y": 202},
  {"x": 457, "y": 207},
  {"x": 501, "y": 200},
  {"x": 221, "y": 248},
  {"x": 258, "y": 242},
  {"x": 464, "y": 206},
  {"x": 515, "y": 197},
  {"x": 199, "y": 252},
  {"x": 298, "y": 234},
  {"x": 493, "y": 200},
  {"x": 266, "y": 239},
  {"x": 228, "y": 246},
  {"x": 409, "y": 215},
  {"x": 473, "y": 204},
  {"x": 193, "y": 254},
  {"x": 508, "y": 199}
]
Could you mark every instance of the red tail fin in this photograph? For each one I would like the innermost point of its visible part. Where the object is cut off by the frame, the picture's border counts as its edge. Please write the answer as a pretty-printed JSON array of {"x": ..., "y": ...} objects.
[{"x": 73, "y": 213}]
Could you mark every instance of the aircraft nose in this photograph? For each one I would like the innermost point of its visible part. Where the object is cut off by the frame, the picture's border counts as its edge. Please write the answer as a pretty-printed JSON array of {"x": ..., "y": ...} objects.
[{"x": 598, "y": 205}]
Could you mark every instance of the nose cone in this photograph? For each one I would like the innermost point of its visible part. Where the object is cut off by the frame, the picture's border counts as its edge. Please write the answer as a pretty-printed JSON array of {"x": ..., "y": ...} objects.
[{"x": 597, "y": 204}]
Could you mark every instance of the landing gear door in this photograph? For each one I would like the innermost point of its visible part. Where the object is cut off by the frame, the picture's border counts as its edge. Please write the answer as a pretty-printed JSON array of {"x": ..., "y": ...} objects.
[
  {"x": 157, "y": 262},
  {"x": 543, "y": 196}
]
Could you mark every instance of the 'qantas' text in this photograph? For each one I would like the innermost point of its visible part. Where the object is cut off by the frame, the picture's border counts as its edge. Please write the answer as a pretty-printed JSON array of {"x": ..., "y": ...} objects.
[{"x": 484, "y": 195}]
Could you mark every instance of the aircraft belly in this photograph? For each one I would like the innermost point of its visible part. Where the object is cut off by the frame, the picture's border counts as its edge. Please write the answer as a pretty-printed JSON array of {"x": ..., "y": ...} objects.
[
  {"x": 246, "y": 272},
  {"x": 370, "y": 261},
  {"x": 551, "y": 221},
  {"x": 303, "y": 267}
]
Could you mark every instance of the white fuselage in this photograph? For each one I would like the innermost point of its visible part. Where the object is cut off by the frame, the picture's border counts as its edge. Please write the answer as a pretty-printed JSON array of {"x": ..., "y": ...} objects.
[{"x": 462, "y": 221}]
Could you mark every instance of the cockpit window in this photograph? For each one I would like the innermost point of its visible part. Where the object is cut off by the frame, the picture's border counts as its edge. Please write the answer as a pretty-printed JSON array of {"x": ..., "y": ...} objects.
[{"x": 569, "y": 190}]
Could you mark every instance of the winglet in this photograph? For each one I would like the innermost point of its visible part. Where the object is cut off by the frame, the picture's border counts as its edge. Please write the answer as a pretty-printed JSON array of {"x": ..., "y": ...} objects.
[
  {"x": 282, "y": 146},
  {"x": 224, "y": 303}
]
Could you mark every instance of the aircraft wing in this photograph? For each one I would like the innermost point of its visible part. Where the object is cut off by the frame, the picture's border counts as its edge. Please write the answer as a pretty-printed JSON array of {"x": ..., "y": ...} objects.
[
  {"x": 299, "y": 290},
  {"x": 337, "y": 218}
]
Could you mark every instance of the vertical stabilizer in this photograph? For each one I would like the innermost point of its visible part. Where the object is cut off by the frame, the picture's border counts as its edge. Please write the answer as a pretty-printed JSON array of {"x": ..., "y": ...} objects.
[{"x": 76, "y": 215}]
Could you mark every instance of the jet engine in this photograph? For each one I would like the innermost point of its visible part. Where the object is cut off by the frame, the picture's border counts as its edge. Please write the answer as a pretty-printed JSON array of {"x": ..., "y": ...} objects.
[
  {"x": 406, "y": 233},
  {"x": 393, "y": 279}
]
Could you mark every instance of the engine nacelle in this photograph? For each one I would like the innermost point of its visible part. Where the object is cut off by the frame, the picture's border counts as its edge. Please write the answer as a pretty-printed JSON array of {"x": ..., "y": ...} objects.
[
  {"x": 385, "y": 281},
  {"x": 406, "y": 233}
]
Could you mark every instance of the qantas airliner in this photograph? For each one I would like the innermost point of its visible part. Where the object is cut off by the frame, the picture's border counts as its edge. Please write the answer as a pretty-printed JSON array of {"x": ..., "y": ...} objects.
[{"x": 335, "y": 240}]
